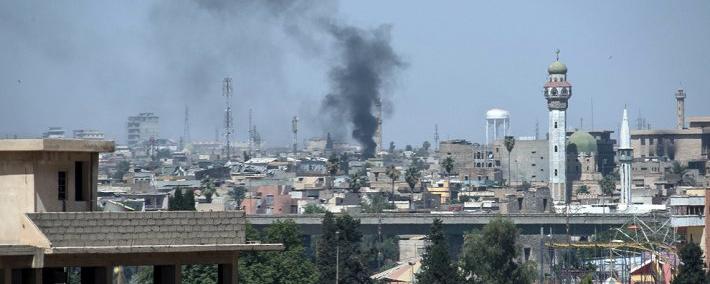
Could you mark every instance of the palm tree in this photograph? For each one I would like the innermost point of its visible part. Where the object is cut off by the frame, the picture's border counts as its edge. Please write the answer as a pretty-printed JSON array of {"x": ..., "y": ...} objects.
[
  {"x": 393, "y": 174},
  {"x": 509, "y": 144},
  {"x": 682, "y": 172},
  {"x": 412, "y": 176},
  {"x": 448, "y": 165},
  {"x": 333, "y": 166}
]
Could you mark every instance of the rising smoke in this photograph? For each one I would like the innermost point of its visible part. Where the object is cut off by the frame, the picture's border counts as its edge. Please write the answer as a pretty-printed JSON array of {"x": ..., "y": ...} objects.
[
  {"x": 367, "y": 65},
  {"x": 161, "y": 55},
  {"x": 366, "y": 61}
]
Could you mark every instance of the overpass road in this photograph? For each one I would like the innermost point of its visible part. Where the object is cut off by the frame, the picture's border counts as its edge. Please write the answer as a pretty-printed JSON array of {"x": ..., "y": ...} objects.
[{"x": 459, "y": 223}]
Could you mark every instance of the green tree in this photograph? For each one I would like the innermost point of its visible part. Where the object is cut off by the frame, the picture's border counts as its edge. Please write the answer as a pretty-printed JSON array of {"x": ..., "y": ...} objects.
[
  {"x": 391, "y": 148},
  {"x": 448, "y": 165},
  {"x": 325, "y": 249},
  {"x": 608, "y": 185},
  {"x": 143, "y": 275},
  {"x": 377, "y": 204},
  {"x": 393, "y": 174},
  {"x": 290, "y": 266},
  {"x": 426, "y": 145},
  {"x": 583, "y": 189},
  {"x": 408, "y": 148},
  {"x": 340, "y": 243},
  {"x": 176, "y": 202},
  {"x": 313, "y": 209},
  {"x": 358, "y": 180},
  {"x": 199, "y": 274},
  {"x": 490, "y": 256},
  {"x": 121, "y": 169},
  {"x": 412, "y": 176},
  {"x": 188, "y": 201},
  {"x": 237, "y": 194},
  {"x": 208, "y": 189},
  {"x": 436, "y": 265},
  {"x": 692, "y": 265},
  {"x": 509, "y": 145},
  {"x": 333, "y": 166}
]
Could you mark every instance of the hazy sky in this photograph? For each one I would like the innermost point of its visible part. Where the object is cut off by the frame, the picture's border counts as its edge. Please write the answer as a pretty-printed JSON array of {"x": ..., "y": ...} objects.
[{"x": 90, "y": 64}]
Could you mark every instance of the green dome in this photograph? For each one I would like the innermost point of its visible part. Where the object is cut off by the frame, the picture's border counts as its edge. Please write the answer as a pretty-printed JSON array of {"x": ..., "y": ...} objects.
[
  {"x": 557, "y": 67},
  {"x": 582, "y": 142}
]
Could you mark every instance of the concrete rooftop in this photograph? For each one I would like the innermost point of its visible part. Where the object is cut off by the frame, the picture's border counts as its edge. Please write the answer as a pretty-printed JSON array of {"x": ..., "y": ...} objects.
[{"x": 56, "y": 145}]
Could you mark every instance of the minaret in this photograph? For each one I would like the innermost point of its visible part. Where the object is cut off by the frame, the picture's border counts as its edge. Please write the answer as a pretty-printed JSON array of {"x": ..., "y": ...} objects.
[
  {"x": 625, "y": 158},
  {"x": 557, "y": 92},
  {"x": 378, "y": 131},
  {"x": 680, "y": 109}
]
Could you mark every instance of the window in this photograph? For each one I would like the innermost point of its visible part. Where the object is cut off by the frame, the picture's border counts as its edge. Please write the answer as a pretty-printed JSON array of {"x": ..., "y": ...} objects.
[
  {"x": 650, "y": 141},
  {"x": 555, "y": 124},
  {"x": 79, "y": 181},
  {"x": 555, "y": 148},
  {"x": 643, "y": 141},
  {"x": 555, "y": 172},
  {"x": 533, "y": 165},
  {"x": 62, "y": 185}
]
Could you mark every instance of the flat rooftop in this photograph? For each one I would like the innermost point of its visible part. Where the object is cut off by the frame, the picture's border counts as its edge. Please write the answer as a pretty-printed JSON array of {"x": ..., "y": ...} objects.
[{"x": 56, "y": 145}]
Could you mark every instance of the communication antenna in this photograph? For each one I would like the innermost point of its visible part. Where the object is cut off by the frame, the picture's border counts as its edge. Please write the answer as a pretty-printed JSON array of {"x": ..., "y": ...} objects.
[
  {"x": 294, "y": 128},
  {"x": 228, "y": 124},
  {"x": 251, "y": 133},
  {"x": 186, "y": 127},
  {"x": 436, "y": 136},
  {"x": 592, "y": 105}
]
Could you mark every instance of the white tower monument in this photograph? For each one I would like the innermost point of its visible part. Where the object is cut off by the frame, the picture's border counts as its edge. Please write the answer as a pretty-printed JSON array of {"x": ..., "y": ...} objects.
[
  {"x": 557, "y": 92},
  {"x": 625, "y": 158},
  {"x": 497, "y": 121}
]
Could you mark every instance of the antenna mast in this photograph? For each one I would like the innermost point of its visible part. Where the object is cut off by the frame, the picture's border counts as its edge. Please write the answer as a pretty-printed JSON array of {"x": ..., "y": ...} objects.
[
  {"x": 186, "y": 128},
  {"x": 251, "y": 133},
  {"x": 228, "y": 124},
  {"x": 436, "y": 136}
]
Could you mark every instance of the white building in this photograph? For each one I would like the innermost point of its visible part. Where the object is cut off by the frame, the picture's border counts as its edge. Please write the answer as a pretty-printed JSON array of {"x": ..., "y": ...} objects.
[
  {"x": 88, "y": 134},
  {"x": 142, "y": 128}
]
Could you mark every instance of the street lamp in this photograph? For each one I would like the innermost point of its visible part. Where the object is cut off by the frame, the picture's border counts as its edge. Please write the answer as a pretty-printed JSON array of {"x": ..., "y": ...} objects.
[{"x": 337, "y": 256}]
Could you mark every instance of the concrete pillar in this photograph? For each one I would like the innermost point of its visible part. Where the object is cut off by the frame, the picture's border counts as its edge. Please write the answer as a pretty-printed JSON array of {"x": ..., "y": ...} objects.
[
  {"x": 36, "y": 277},
  {"x": 99, "y": 275},
  {"x": 167, "y": 274},
  {"x": 6, "y": 276},
  {"x": 229, "y": 273}
]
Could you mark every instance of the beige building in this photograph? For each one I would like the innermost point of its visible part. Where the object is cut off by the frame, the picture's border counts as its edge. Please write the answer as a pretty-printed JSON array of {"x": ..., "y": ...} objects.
[
  {"x": 684, "y": 145},
  {"x": 48, "y": 196}
]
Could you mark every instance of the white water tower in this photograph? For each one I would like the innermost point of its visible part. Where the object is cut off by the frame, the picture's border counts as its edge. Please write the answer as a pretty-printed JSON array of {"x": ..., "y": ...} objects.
[{"x": 498, "y": 124}]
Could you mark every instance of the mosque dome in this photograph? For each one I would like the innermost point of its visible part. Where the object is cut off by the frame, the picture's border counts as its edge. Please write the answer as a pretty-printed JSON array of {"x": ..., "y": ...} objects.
[
  {"x": 557, "y": 67},
  {"x": 497, "y": 113},
  {"x": 582, "y": 142}
]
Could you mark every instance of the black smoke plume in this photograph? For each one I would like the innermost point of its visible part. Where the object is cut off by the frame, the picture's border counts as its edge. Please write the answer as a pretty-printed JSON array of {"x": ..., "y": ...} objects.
[{"x": 367, "y": 64}]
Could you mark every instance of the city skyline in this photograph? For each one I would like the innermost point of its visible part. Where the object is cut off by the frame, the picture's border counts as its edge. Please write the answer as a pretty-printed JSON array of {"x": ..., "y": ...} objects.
[{"x": 635, "y": 59}]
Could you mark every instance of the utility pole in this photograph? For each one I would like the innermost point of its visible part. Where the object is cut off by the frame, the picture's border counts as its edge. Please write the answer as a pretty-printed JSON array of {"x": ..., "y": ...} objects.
[
  {"x": 337, "y": 256},
  {"x": 228, "y": 123},
  {"x": 542, "y": 255}
]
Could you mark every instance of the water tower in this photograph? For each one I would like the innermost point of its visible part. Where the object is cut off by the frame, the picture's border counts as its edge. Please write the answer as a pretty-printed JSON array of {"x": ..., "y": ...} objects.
[{"x": 498, "y": 124}]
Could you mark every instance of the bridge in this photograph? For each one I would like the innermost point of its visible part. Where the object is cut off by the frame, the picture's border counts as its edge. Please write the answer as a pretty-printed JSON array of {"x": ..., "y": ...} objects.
[{"x": 460, "y": 223}]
